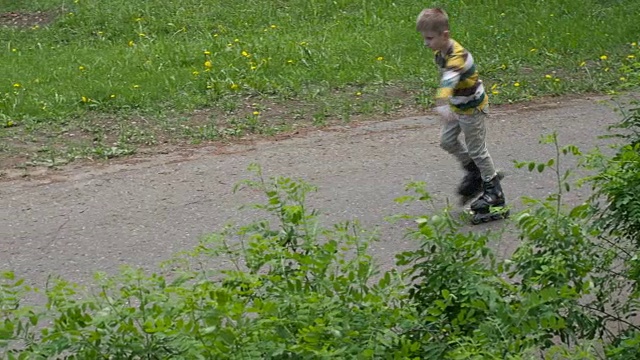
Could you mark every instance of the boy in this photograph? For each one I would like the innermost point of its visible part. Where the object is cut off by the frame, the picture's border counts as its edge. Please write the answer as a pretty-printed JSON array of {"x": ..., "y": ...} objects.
[{"x": 462, "y": 103}]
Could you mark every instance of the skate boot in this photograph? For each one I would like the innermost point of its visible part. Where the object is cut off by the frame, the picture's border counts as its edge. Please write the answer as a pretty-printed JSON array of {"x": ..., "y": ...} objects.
[
  {"x": 491, "y": 205},
  {"x": 471, "y": 184}
]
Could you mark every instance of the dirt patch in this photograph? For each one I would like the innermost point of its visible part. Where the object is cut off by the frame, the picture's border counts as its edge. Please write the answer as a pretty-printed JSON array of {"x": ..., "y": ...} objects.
[
  {"x": 25, "y": 19},
  {"x": 97, "y": 136}
]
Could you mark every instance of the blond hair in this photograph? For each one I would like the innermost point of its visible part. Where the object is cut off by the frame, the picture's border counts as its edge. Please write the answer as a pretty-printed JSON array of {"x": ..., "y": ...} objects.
[{"x": 433, "y": 19}]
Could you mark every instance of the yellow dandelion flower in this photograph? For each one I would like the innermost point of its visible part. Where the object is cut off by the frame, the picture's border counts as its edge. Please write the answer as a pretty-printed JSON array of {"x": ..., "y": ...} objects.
[
  {"x": 606, "y": 69},
  {"x": 556, "y": 79},
  {"x": 503, "y": 66},
  {"x": 274, "y": 26},
  {"x": 548, "y": 76},
  {"x": 215, "y": 35},
  {"x": 379, "y": 58},
  {"x": 196, "y": 73},
  {"x": 229, "y": 45},
  {"x": 136, "y": 86},
  {"x": 494, "y": 86},
  {"x": 623, "y": 79},
  {"x": 303, "y": 43},
  {"x": 207, "y": 52},
  {"x": 256, "y": 113},
  {"x": 14, "y": 50},
  {"x": 17, "y": 85},
  {"x": 603, "y": 57},
  {"x": 533, "y": 50},
  {"x": 495, "y": 92},
  {"x": 10, "y": 123},
  {"x": 234, "y": 86},
  {"x": 131, "y": 43},
  {"x": 634, "y": 44},
  {"x": 245, "y": 54},
  {"x": 138, "y": 19},
  {"x": 81, "y": 68},
  {"x": 84, "y": 99},
  {"x": 113, "y": 96},
  {"x": 236, "y": 40},
  {"x": 142, "y": 35},
  {"x": 358, "y": 93},
  {"x": 208, "y": 64},
  {"x": 289, "y": 61},
  {"x": 583, "y": 64},
  {"x": 253, "y": 67},
  {"x": 516, "y": 84},
  {"x": 631, "y": 56}
]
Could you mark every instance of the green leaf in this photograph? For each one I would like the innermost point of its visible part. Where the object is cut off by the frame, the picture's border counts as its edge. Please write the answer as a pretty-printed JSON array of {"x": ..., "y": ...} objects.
[
  {"x": 434, "y": 311},
  {"x": 404, "y": 199},
  {"x": 33, "y": 319},
  {"x": 446, "y": 293},
  {"x": 8, "y": 275}
]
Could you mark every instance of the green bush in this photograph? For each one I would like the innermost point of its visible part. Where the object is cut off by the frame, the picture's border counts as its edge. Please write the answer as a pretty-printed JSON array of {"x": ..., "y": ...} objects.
[{"x": 293, "y": 291}]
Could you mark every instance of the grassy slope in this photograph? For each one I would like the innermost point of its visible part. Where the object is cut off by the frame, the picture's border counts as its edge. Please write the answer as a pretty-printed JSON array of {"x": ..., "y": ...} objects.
[{"x": 106, "y": 62}]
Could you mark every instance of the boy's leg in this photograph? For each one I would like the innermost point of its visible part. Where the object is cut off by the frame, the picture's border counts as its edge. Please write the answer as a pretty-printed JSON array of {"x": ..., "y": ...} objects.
[
  {"x": 471, "y": 184},
  {"x": 450, "y": 141},
  {"x": 474, "y": 130}
]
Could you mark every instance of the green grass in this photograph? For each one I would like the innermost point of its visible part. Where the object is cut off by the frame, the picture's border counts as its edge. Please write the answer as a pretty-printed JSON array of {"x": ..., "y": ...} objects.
[{"x": 128, "y": 73}]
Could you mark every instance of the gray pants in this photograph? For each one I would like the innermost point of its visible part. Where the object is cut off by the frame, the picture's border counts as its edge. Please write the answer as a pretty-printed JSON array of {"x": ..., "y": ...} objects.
[{"x": 474, "y": 148}]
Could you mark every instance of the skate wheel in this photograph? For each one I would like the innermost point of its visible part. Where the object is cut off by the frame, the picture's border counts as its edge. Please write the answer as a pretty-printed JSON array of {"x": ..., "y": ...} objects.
[{"x": 478, "y": 218}]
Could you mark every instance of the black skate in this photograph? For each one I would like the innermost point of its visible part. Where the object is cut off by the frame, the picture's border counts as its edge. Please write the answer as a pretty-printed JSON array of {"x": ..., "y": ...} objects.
[
  {"x": 471, "y": 184},
  {"x": 491, "y": 205}
]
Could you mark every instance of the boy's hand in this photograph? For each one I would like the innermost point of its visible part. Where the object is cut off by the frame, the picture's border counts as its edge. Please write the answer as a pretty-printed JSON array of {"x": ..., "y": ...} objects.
[{"x": 445, "y": 112}]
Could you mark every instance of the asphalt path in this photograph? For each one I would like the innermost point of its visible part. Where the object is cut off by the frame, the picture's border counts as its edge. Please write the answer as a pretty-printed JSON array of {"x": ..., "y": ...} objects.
[{"x": 140, "y": 211}]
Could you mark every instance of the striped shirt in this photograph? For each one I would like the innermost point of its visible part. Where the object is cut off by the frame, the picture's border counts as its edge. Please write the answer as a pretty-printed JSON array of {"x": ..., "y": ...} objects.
[{"x": 460, "y": 83}]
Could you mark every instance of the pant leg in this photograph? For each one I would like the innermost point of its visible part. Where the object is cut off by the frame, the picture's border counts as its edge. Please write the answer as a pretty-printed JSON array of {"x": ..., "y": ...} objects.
[
  {"x": 474, "y": 129},
  {"x": 450, "y": 142}
]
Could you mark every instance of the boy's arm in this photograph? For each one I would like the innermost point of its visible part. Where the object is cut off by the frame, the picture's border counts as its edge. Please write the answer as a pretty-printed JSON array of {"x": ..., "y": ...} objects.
[{"x": 450, "y": 78}]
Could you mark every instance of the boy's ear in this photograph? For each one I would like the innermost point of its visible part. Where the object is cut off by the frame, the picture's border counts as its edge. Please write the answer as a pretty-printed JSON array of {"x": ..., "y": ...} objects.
[{"x": 445, "y": 34}]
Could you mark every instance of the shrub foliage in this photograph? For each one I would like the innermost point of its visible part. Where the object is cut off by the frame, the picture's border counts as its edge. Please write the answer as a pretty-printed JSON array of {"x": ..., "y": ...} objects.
[{"x": 291, "y": 288}]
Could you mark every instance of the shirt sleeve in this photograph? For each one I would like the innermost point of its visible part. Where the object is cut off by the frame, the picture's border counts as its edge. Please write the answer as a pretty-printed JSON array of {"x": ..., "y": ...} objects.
[{"x": 454, "y": 68}]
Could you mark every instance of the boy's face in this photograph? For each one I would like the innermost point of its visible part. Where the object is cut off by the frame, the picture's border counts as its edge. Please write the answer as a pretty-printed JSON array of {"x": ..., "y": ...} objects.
[{"x": 437, "y": 41}]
